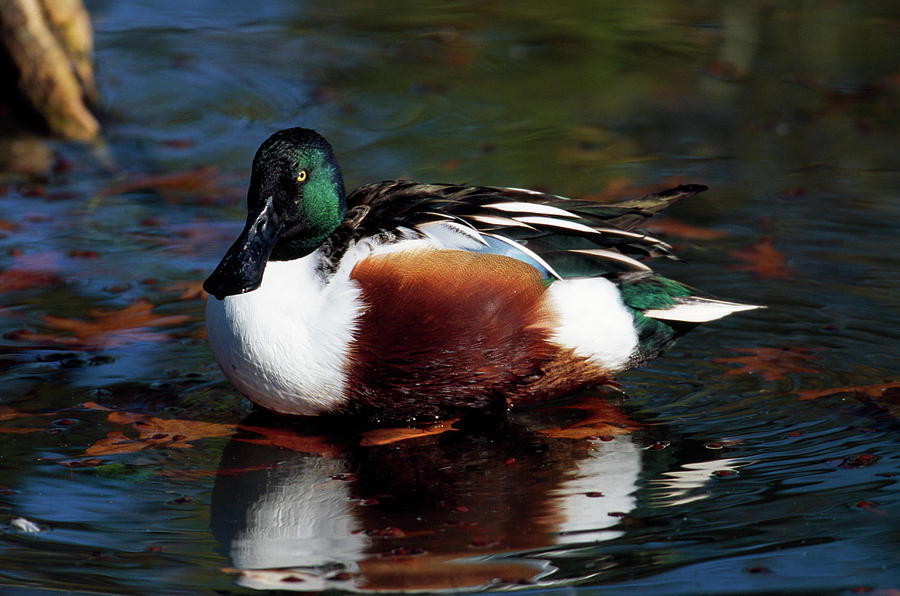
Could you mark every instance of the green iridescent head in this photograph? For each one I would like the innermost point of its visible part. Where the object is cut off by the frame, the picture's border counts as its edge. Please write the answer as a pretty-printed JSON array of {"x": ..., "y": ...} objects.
[{"x": 295, "y": 201}]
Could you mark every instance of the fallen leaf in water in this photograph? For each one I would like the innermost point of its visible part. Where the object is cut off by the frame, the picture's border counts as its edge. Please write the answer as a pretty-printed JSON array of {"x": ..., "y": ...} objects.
[
  {"x": 385, "y": 436},
  {"x": 190, "y": 290},
  {"x": 204, "y": 181},
  {"x": 15, "y": 280},
  {"x": 112, "y": 328},
  {"x": 30, "y": 270},
  {"x": 155, "y": 433},
  {"x": 872, "y": 391},
  {"x": 7, "y": 413},
  {"x": 602, "y": 419},
  {"x": 287, "y": 438},
  {"x": 451, "y": 165},
  {"x": 19, "y": 430},
  {"x": 117, "y": 417},
  {"x": 92, "y": 405},
  {"x": 770, "y": 363},
  {"x": 115, "y": 443},
  {"x": 762, "y": 259}
]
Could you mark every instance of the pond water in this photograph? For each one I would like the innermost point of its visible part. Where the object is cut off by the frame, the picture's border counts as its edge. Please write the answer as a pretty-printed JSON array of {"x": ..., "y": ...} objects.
[{"x": 759, "y": 455}]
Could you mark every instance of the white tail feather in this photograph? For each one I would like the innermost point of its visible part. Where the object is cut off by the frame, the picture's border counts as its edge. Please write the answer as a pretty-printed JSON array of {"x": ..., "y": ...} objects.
[{"x": 698, "y": 310}]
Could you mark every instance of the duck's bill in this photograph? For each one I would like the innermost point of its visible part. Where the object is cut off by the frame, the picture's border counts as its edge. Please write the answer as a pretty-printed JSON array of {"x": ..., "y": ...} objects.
[{"x": 242, "y": 268}]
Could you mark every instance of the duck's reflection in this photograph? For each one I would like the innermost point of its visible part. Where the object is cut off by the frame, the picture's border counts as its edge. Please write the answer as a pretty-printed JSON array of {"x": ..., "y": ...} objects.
[{"x": 309, "y": 507}]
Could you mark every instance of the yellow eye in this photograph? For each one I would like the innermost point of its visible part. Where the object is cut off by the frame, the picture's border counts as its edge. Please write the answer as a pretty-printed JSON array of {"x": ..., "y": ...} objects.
[{"x": 301, "y": 177}]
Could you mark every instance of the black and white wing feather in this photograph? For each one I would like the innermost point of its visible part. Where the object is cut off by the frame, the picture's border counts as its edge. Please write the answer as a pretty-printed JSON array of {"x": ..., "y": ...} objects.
[{"x": 559, "y": 235}]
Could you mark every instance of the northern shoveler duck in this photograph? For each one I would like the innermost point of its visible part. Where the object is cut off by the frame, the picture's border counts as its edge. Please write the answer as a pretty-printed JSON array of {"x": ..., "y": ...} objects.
[{"x": 409, "y": 300}]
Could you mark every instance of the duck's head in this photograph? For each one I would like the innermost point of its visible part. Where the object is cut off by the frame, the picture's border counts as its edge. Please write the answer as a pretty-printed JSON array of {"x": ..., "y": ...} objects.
[{"x": 296, "y": 199}]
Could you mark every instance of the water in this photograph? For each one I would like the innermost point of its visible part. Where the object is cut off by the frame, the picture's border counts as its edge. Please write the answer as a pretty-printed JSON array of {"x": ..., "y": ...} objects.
[{"x": 758, "y": 456}]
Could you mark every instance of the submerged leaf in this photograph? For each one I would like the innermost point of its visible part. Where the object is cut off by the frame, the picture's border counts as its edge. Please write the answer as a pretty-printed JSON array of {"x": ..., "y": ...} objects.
[
  {"x": 205, "y": 181},
  {"x": 112, "y": 328},
  {"x": 190, "y": 290},
  {"x": 385, "y": 436},
  {"x": 155, "y": 433},
  {"x": 287, "y": 438},
  {"x": 873, "y": 391},
  {"x": 30, "y": 270},
  {"x": 770, "y": 363},
  {"x": 601, "y": 419},
  {"x": 763, "y": 259},
  {"x": 115, "y": 443}
]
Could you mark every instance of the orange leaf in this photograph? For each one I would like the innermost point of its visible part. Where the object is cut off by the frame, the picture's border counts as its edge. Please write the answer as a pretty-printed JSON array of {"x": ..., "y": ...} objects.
[
  {"x": 762, "y": 259},
  {"x": 451, "y": 165},
  {"x": 385, "y": 436},
  {"x": 155, "y": 433},
  {"x": 111, "y": 328},
  {"x": 873, "y": 391},
  {"x": 7, "y": 413},
  {"x": 30, "y": 270},
  {"x": 92, "y": 405},
  {"x": 200, "y": 180},
  {"x": 15, "y": 280},
  {"x": 19, "y": 431},
  {"x": 190, "y": 290},
  {"x": 602, "y": 419},
  {"x": 115, "y": 442},
  {"x": 117, "y": 417},
  {"x": 287, "y": 438},
  {"x": 771, "y": 363}
]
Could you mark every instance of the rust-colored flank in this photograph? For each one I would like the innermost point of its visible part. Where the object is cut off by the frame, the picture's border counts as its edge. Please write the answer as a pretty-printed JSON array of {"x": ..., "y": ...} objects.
[{"x": 451, "y": 328}]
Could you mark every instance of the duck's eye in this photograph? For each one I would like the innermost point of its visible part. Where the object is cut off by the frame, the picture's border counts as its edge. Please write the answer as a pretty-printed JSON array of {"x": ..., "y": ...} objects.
[{"x": 301, "y": 177}]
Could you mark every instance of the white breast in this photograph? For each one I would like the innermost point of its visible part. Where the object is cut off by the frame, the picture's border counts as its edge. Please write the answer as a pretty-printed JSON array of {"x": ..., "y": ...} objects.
[{"x": 285, "y": 344}]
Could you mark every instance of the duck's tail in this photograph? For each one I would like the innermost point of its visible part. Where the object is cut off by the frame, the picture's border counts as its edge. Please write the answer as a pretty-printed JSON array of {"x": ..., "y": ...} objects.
[{"x": 664, "y": 309}]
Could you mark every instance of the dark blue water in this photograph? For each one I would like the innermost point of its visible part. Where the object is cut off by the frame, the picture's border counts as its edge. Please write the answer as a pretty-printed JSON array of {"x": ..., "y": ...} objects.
[{"x": 757, "y": 456}]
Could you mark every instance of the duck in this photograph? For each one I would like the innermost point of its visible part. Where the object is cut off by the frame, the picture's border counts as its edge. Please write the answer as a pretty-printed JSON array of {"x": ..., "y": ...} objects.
[{"x": 414, "y": 301}]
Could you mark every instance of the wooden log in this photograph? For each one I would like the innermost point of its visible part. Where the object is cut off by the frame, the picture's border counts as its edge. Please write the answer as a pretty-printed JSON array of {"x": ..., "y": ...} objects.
[{"x": 48, "y": 45}]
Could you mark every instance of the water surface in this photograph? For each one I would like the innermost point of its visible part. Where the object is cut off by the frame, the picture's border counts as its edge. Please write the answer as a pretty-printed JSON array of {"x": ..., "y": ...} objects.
[{"x": 758, "y": 456}]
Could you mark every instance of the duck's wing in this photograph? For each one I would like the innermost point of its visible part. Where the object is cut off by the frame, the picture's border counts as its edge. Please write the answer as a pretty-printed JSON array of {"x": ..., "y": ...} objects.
[{"x": 559, "y": 236}]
